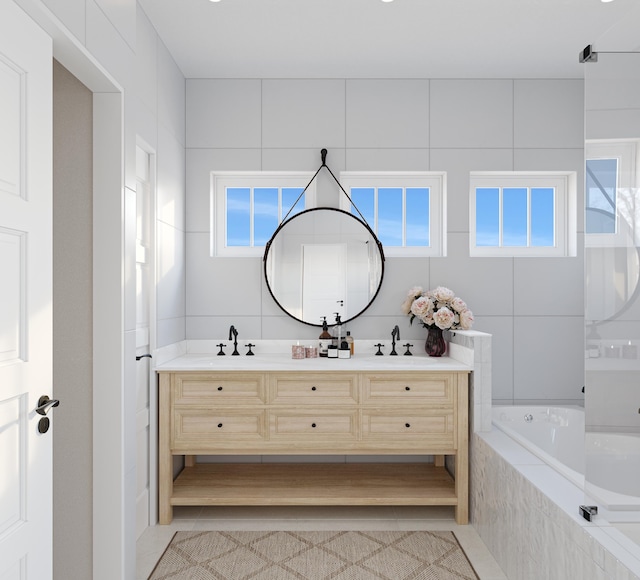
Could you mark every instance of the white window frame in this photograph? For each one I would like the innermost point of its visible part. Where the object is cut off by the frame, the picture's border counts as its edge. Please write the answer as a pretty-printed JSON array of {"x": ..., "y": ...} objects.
[
  {"x": 436, "y": 181},
  {"x": 219, "y": 182},
  {"x": 565, "y": 211},
  {"x": 627, "y": 152}
]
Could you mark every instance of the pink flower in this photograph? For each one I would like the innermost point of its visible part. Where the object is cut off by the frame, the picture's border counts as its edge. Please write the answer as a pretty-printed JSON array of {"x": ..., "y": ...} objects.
[
  {"x": 414, "y": 293},
  {"x": 442, "y": 294},
  {"x": 443, "y": 318},
  {"x": 439, "y": 307},
  {"x": 466, "y": 319},
  {"x": 421, "y": 307},
  {"x": 428, "y": 319}
]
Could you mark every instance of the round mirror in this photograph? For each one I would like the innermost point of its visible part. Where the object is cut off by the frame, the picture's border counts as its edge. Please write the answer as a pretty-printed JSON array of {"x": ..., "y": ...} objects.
[
  {"x": 323, "y": 261},
  {"x": 612, "y": 262}
]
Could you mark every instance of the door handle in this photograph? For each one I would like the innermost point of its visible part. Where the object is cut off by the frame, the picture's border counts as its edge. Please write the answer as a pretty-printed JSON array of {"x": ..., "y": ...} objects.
[
  {"x": 45, "y": 403},
  {"x": 143, "y": 356}
]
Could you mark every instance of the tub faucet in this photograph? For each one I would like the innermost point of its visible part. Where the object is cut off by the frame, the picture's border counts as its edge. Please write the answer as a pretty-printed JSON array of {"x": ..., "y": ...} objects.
[
  {"x": 233, "y": 332},
  {"x": 395, "y": 334}
]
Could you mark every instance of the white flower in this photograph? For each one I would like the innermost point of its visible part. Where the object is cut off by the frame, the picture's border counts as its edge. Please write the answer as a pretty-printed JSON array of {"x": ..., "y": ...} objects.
[
  {"x": 442, "y": 294},
  {"x": 428, "y": 319},
  {"x": 439, "y": 307},
  {"x": 421, "y": 307},
  {"x": 443, "y": 318},
  {"x": 414, "y": 292},
  {"x": 466, "y": 319}
]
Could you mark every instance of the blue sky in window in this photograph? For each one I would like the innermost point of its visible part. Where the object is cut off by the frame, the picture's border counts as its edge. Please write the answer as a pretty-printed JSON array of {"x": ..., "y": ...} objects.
[
  {"x": 390, "y": 216},
  {"x": 289, "y": 197},
  {"x": 487, "y": 216},
  {"x": 514, "y": 216},
  {"x": 265, "y": 214},
  {"x": 364, "y": 199},
  {"x": 417, "y": 216},
  {"x": 601, "y": 207},
  {"x": 238, "y": 219},
  {"x": 522, "y": 207},
  {"x": 542, "y": 216}
]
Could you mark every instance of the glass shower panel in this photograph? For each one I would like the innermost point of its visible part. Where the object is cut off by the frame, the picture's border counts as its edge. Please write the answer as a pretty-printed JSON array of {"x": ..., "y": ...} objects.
[{"x": 612, "y": 284}]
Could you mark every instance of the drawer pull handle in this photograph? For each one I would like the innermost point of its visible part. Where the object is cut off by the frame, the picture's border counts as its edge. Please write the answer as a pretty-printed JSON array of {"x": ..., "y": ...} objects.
[
  {"x": 313, "y": 425},
  {"x": 313, "y": 388},
  {"x": 219, "y": 425},
  {"x": 407, "y": 425},
  {"x": 219, "y": 388},
  {"x": 407, "y": 388}
]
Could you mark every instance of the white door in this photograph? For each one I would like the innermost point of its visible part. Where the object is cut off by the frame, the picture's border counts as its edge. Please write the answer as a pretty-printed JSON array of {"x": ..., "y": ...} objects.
[
  {"x": 25, "y": 296},
  {"x": 324, "y": 281},
  {"x": 145, "y": 276}
]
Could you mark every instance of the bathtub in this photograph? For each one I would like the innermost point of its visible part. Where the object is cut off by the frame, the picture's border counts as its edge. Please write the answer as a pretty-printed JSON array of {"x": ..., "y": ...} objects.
[{"x": 556, "y": 435}]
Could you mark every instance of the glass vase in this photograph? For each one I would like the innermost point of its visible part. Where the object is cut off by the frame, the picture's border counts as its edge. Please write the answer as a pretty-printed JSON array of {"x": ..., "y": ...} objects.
[{"x": 435, "y": 344}]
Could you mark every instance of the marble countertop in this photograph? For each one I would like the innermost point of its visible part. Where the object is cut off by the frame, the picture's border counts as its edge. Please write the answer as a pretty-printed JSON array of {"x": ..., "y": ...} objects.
[{"x": 282, "y": 362}]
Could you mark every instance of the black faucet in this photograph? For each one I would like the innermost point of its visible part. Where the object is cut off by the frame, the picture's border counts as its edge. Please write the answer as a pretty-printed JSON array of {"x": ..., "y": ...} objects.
[
  {"x": 233, "y": 332},
  {"x": 395, "y": 334}
]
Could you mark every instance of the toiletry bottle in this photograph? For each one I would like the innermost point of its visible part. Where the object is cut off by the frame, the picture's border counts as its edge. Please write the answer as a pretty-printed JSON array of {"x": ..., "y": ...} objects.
[
  {"x": 350, "y": 341},
  {"x": 344, "y": 351},
  {"x": 337, "y": 331},
  {"x": 324, "y": 339}
]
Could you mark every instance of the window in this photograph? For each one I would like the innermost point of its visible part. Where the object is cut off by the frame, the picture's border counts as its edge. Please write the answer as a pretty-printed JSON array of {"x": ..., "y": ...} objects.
[
  {"x": 522, "y": 214},
  {"x": 248, "y": 207},
  {"x": 405, "y": 210},
  {"x": 610, "y": 192}
]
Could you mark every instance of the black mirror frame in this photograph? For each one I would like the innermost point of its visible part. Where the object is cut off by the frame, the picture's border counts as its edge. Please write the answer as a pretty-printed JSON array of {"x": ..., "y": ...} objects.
[{"x": 306, "y": 211}]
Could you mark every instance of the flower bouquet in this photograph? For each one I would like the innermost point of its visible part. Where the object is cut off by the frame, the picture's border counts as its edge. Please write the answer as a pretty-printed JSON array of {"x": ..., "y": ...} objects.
[{"x": 437, "y": 310}]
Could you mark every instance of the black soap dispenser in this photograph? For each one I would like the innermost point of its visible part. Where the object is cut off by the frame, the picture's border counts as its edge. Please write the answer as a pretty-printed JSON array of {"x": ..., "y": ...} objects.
[
  {"x": 324, "y": 340},
  {"x": 337, "y": 331}
]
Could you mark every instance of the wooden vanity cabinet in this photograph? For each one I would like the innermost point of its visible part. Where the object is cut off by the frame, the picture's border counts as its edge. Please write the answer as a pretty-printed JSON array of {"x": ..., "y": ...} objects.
[{"x": 313, "y": 413}]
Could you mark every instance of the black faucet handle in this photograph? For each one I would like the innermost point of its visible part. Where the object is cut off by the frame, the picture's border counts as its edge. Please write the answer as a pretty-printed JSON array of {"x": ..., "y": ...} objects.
[
  {"x": 379, "y": 345},
  {"x": 408, "y": 352},
  {"x": 221, "y": 346},
  {"x": 249, "y": 353}
]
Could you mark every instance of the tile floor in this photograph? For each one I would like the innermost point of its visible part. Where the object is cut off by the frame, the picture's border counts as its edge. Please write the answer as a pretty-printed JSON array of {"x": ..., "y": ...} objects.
[{"x": 154, "y": 540}]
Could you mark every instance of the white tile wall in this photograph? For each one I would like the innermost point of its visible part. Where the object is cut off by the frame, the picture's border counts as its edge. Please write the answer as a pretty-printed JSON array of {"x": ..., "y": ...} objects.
[
  {"x": 146, "y": 77},
  {"x": 396, "y": 159},
  {"x": 223, "y": 113},
  {"x": 303, "y": 113},
  {"x": 437, "y": 124},
  {"x": 171, "y": 94},
  {"x": 471, "y": 113},
  {"x": 548, "y": 357},
  {"x": 170, "y": 202},
  {"x": 485, "y": 284},
  {"x": 387, "y": 113},
  {"x": 548, "y": 113},
  {"x": 170, "y": 290}
]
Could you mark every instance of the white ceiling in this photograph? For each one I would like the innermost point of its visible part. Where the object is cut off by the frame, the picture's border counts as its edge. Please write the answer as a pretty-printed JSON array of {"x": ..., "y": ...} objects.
[{"x": 373, "y": 39}]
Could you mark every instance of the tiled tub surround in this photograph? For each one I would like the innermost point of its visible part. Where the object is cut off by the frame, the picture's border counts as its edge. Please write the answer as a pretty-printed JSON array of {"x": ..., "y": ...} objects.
[{"x": 527, "y": 515}]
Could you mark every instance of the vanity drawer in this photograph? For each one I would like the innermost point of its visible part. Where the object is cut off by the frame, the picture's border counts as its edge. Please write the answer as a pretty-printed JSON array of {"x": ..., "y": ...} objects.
[
  {"x": 418, "y": 428},
  {"x": 219, "y": 388},
  {"x": 321, "y": 388},
  {"x": 408, "y": 388},
  {"x": 206, "y": 429},
  {"x": 320, "y": 426}
]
